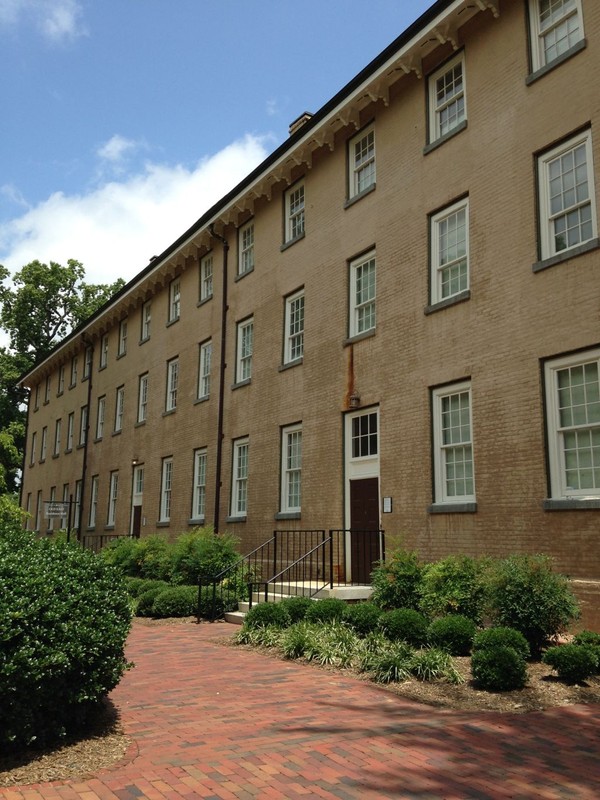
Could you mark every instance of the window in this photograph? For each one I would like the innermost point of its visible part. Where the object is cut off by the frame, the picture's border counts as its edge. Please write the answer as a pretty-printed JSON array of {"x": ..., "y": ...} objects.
[
  {"x": 172, "y": 382},
  {"x": 146, "y": 320},
  {"x": 87, "y": 363},
  {"x": 293, "y": 348},
  {"x": 57, "y": 432},
  {"x": 239, "y": 483},
  {"x": 52, "y": 501},
  {"x": 61, "y": 379},
  {"x": 122, "y": 347},
  {"x": 73, "y": 371},
  {"x": 93, "y": 501},
  {"x": 33, "y": 448},
  {"x": 165, "y": 489},
  {"x": 364, "y": 435},
  {"x": 47, "y": 390},
  {"x": 204, "y": 370},
  {"x": 573, "y": 423},
  {"x": 556, "y": 26},
  {"x": 44, "y": 443},
  {"x": 70, "y": 431},
  {"x": 206, "y": 277},
  {"x": 245, "y": 343},
  {"x": 362, "y": 295},
  {"x": 28, "y": 511},
  {"x": 36, "y": 404},
  {"x": 450, "y": 251},
  {"x": 100, "y": 417},
  {"x": 447, "y": 107},
  {"x": 76, "y": 514},
  {"x": 103, "y": 351},
  {"x": 567, "y": 205},
  {"x": 361, "y": 162},
  {"x": 291, "y": 469},
  {"x": 83, "y": 423},
  {"x": 174, "y": 300},
  {"x": 119, "y": 408},
  {"x": 294, "y": 213},
  {"x": 453, "y": 447},
  {"x": 64, "y": 521},
  {"x": 142, "y": 398},
  {"x": 246, "y": 248},
  {"x": 112, "y": 498},
  {"x": 199, "y": 493},
  {"x": 38, "y": 511}
]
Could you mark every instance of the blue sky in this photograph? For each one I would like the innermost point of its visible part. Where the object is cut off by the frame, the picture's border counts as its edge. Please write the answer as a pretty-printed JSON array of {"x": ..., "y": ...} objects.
[{"x": 124, "y": 120}]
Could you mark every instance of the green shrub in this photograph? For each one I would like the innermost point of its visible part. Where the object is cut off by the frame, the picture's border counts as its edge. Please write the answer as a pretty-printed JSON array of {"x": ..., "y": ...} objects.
[
  {"x": 406, "y": 625},
  {"x": 264, "y": 614},
  {"x": 454, "y": 585},
  {"x": 64, "y": 618},
  {"x": 392, "y": 663},
  {"x": 296, "y": 607},
  {"x": 124, "y": 554},
  {"x": 363, "y": 618},
  {"x": 498, "y": 669},
  {"x": 201, "y": 555},
  {"x": 453, "y": 633},
  {"x": 502, "y": 637},
  {"x": 145, "y": 600},
  {"x": 175, "y": 601},
  {"x": 433, "y": 664},
  {"x": 136, "y": 586},
  {"x": 154, "y": 557},
  {"x": 298, "y": 640},
  {"x": 524, "y": 593},
  {"x": 334, "y": 644},
  {"x": 264, "y": 636},
  {"x": 331, "y": 609},
  {"x": 573, "y": 662},
  {"x": 587, "y": 637},
  {"x": 397, "y": 581}
]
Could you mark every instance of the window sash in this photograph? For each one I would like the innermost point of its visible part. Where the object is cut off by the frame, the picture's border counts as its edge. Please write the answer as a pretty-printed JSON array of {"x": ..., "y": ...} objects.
[
  {"x": 100, "y": 417},
  {"x": 294, "y": 326},
  {"x": 362, "y": 175},
  {"x": 239, "y": 489},
  {"x": 93, "y": 502},
  {"x": 119, "y": 408},
  {"x": 142, "y": 398},
  {"x": 122, "y": 337},
  {"x": 44, "y": 444},
  {"x": 172, "y": 384},
  {"x": 174, "y": 300},
  {"x": 450, "y": 251},
  {"x": 206, "y": 277},
  {"x": 112, "y": 498},
  {"x": 363, "y": 293},
  {"x": 246, "y": 261},
  {"x": 295, "y": 213},
  {"x": 199, "y": 501},
  {"x": 83, "y": 423},
  {"x": 454, "y": 463},
  {"x": 365, "y": 435},
  {"x": 204, "y": 370},
  {"x": 245, "y": 350},
  {"x": 104, "y": 351},
  {"x": 557, "y": 26},
  {"x": 146, "y": 320},
  {"x": 61, "y": 379},
  {"x": 291, "y": 470},
  {"x": 70, "y": 430},
  {"x": 57, "y": 435},
  {"x": 166, "y": 487},
  {"x": 447, "y": 98}
]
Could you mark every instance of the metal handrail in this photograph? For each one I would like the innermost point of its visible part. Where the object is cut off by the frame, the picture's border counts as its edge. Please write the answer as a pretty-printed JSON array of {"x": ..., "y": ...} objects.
[{"x": 302, "y": 560}]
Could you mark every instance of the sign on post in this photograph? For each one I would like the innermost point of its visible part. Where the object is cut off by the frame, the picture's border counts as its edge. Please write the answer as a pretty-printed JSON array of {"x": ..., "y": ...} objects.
[{"x": 56, "y": 509}]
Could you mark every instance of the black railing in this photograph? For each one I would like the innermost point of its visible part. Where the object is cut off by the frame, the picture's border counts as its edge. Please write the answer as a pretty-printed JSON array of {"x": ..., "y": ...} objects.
[
  {"x": 96, "y": 541},
  {"x": 356, "y": 553}
]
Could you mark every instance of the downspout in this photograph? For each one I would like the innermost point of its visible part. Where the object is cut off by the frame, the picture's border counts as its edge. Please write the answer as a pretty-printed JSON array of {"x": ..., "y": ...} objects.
[
  {"x": 222, "y": 368},
  {"x": 87, "y": 435},
  {"x": 24, "y": 461}
]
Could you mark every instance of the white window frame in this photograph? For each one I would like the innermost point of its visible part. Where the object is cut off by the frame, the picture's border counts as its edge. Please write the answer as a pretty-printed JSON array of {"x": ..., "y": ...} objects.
[
  {"x": 174, "y": 300},
  {"x": 83, "y": 424},
  {"x": 93, "y": 501},
  {"x": 38, "y": 511},
  {"x": 447, "y": 256},
  {"x": 239, "y": 478},
  {"x": 199, "y": 488},
  {"x": 246, "y": 248},
  {"x": 73, "y": 372},
  {"x": 291, "y": 469},
  {"x": 119, "y": 408},
  {"x": 122, "y": 346},
  {"x": 57, "y": 435},
  {"x": 77, "y": 508},
  {"x": 361, "y": 162},
  {"x": 146, "y": 320},
  {"x": 33, "y": 448},
  {"x": 64, "y": 521},
  {"x": 70, "y": 431},
  {"x": 557, "y": 432},
  {"x": 363, "y": 435},
  {"x": 244, "y": 350},
  {"x": 142, "y": 412},
  {"x": 166, "y": 486},
  {"x": 28, "y": 512},
  {"x": 548, "y": 29},
  {"x": 172, "y": 384},
  {"x": 50, "y": 523},
  {"x": 87, "y": 362},
  {"x": 100, "y": 416},
  {"x": 47, "y": 390},
  {"x": 438, "y": 106},
  {"x": 61, "y": 380},
  {"x": 442, "y": 450},
  {"x": 293, "y": 346},
  {"x": 113, "y": 492},
  {"x": 295, "y": 207},
  {"x": 103, "y": 361},
  {"x": 206, "y": 277},
  {"x": 363, "y": 297},
  {"x": 204, "y": 365},
  {"x": 548, "y": 219},
  {"x": 44, "y": 446}
]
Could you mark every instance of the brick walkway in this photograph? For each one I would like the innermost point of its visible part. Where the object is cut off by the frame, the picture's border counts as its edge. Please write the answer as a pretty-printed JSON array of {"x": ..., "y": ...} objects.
[{"x": 221, "y": 723}]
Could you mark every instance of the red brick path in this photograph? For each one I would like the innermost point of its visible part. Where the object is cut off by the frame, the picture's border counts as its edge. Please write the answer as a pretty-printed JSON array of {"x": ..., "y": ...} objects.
[{"x": 223, "y": 723}]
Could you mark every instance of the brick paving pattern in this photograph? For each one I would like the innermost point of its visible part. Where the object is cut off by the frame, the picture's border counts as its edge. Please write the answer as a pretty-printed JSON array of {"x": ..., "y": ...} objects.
[{"x": 223, "y": 723}]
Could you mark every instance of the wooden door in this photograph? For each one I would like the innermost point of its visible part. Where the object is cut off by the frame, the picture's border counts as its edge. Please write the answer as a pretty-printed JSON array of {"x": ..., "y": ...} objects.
[{"x": 364, "y": 524}]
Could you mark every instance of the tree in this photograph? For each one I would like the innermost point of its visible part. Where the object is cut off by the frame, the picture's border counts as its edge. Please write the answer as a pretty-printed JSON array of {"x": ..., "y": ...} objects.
[{"x": 41, "y": 305}]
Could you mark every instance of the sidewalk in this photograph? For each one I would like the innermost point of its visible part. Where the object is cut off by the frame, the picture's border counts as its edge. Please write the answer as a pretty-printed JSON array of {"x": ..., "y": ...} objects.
[{"x": 224, "y": 723}]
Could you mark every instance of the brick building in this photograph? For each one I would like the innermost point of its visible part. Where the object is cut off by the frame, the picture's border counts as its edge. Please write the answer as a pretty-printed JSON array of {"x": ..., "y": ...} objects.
[{"x": 392, "y": 321}]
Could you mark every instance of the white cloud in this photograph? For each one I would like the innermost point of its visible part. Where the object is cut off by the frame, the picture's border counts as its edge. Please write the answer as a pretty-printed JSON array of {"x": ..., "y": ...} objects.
[
  {"x": 114, "y": 229},
  {"x": 56, "y": 19},
  {"x": 116, "y": 148}
]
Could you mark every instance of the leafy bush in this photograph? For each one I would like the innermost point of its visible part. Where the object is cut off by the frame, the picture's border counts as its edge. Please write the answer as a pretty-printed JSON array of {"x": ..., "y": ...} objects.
[
  {"x": 145, "y": 600},
  {"x": 587, "y": 637},
  {"x": 406, "y": 625},
  {"x": 264, "y": 614},
  {"x": 454, "y": 585},
  {"x": 453, "y": 633},
  {"x": 524, "y": 593},
  {"x": 296, "y": 607},
  {"x": 502, "y": 637},
  {"x": 123, "y": 553},
  {"x": 201, "y": 555},
  {"x": 135, "y": 586},
  {"x": 334, "y": 644},
  {"x": 499, "y": 669},
  {"x": 331, "y": 609},
  {"x": 397, "y": 581},
  {"x": 175, "y": 601},
  {"x": 363, "y": 618},
  {"x": 264, "y": 636},
  {"x": 298, "y": 640},
  {"x": 64, "y": 618},
  {"x": 392, "y": 663},
  {"x": 573, "y": 662},
  {"x": 433, "y": 664}
]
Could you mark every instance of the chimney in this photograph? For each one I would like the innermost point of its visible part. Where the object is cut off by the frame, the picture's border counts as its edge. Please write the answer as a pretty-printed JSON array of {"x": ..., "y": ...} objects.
[{"x": 299, "y": 122}]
